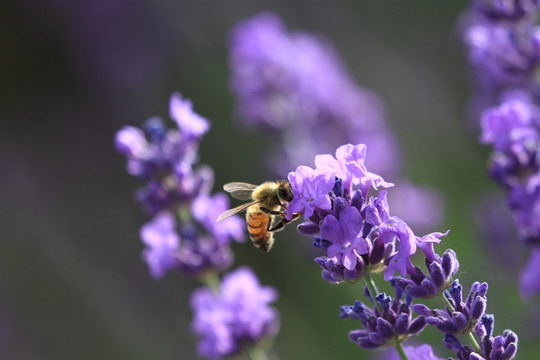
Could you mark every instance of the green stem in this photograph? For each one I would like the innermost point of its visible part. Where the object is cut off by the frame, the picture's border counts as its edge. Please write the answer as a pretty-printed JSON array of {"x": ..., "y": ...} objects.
[
  {"x": 256, "y": 353},
  {"x": 211, "y": 279},
  {"x": 372, "y": 288},
  {"x": 401, "y": 352},
  {"x": 470, "y": 335}
]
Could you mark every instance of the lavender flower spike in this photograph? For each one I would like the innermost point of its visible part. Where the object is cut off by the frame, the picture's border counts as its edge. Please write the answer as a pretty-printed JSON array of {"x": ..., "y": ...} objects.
[
  {"x": 238, "y": 316},
  {"x": 391, "y": 326}
]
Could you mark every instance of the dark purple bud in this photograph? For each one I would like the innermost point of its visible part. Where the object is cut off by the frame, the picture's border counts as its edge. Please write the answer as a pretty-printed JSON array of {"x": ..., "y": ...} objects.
[
  {"x": 404, "y": 309},
  {"x": 498, "y": 342},
  {"x": 354, "y": 312},
  {"x": 416, "y": 291},
  {"x": 429, "y": 286},
  {"x": 384, "y": 328},
  {"x": 417, "y": 325},
  {"x": 510, "y": 336},
  {"x": 338, "y": 187},
  {"x": 339, "y": 205},
  {"x": 452, "y": 343},
  {"x": 422, "y": 309},
  {"x": 402, "y": 324},
  {"x": 496, "y": 353},
  {"x": 357, "y": 200},
  {"x": 437, "y": 274},
  {"x": 383, "y": 300},
  {"x": 487, "y": 345},
  {"x": 478, "y": 308},
  {"x": 456, "y": 292},
  {"x": 450, "y": 263},
  {"x": 376, "y": 338},
  {"x": 155, "y": 128},
  {"x": 482, "y": 289},
  {"x": 446, "y": 326},
  {"x": 391, "y": 316},
  {"x": 475, "y": 356},
  {"x": 321, "y": 243},
  {"x": 432, "y": 320},
  {"x": 480, "y": 330},
  {"x": 417, "y": 275},
  {"x": 365, "y": 343},
  {"x": 459, "y": 320},
  {"x": 355, "y": 335},
  {"x": 488, "y": 320},
  {"x": 377, "y": 253},
  {"x": 509, "y": 352},
  {"x": 308, "y": 228}
]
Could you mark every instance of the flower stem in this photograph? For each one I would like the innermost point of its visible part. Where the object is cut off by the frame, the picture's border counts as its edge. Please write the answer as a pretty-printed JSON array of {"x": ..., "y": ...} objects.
[
  {"x": 372, "y": 288},
  {"x": 401, "y": 352},
  {"x": 256, "y": 353},
  {"x": 211, "y": 279},
  {"x": 470, "y": 335}
]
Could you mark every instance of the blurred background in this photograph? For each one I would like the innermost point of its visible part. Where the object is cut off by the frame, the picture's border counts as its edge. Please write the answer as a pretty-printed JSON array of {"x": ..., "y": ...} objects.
[{"x": 72, "y": 283}]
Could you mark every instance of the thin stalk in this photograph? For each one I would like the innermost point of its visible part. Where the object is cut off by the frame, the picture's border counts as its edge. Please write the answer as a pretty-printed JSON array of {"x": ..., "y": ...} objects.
[
  {"x": 256, "y": 353},
  {"x": 470, "y": 335},
  {"x": 401, "y": 352},
  {"x": 211, "y": 279},
  {"x": 372, "y": 288}
]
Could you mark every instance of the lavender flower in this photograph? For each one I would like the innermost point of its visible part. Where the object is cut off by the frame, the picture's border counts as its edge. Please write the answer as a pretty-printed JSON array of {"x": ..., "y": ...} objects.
[
  {"x": 358, "y": 233},
  {"x": 162, "y": 243},
  {"x": 275, "y": 76},
  {"x": 422, "y": 352},
  {"x": 390, "y": 325},
  {"x": 463, "y": 316},
  {"x": 166, "y": 160},
  {"x": 530, "y": 275},
  {"x": 503, "y": 43},
  {"x": 238, "y": 315},
  {"x": 165, "y": 157}
]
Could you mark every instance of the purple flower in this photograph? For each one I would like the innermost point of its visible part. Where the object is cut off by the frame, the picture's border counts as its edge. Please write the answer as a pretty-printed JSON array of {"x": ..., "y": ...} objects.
[
  {"x": 206, "y": 209},
  {"x": 239, "y": 315},
  {"x": 162, "y": 243},
  {"x": 422, "y": 352},
  {"x": 530, "y": 276},
  {"x": 347, "y": 243},
  {"x": 310, "y": 191},
  {"x": 189, "y": 122},
  {"x": 511, "y": 123},
  {"x": 400, "y": 262},
  {"x": 391, "y": 324}
]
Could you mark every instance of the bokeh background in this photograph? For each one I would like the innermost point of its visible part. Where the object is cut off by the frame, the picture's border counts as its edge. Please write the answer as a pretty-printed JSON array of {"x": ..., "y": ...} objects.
[{"x": 72, "y": 283}]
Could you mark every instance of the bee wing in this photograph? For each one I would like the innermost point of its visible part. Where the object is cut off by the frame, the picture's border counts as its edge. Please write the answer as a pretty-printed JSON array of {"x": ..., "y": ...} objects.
[
  {"x": 236, "y": 210},
  {"x": 240, "y": 190}
]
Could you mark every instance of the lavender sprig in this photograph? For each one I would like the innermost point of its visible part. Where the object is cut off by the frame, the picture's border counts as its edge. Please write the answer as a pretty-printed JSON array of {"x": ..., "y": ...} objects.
[
  {"x": 503, "y": 44},
  {"x": 361, "y": 237},
  {"x": 232, "y": 315}
]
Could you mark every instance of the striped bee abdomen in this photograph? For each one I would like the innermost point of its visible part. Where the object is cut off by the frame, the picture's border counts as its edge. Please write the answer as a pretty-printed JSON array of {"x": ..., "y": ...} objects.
[{"x": 258, "y": 229}]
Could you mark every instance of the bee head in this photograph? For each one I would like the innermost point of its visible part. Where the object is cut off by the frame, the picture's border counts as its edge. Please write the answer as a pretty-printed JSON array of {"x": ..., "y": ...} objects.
[{"x": 285, "y": 191}]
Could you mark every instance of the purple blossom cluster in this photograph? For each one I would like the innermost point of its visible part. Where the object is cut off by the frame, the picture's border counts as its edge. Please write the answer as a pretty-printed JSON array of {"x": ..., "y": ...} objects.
[
  {"x": 503, "y": 44},
  {"x": 184, "y": 235},
  {"x": 276, "y": 78},
  {"x": 387, "y": 324},
  {"x": 165, "y": 159},
  {"x": 236, "y": 316},
  {"x": 361, "y": 237},
  {"x": 355, "y": 230}
]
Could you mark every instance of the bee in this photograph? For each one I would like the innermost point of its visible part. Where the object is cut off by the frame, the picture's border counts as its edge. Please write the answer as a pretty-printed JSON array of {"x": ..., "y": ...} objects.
[{"x": 265, "y": 212}]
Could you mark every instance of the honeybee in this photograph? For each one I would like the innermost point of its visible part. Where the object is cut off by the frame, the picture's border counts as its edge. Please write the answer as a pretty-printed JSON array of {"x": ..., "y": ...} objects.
[{"x": 265, "y": 212}]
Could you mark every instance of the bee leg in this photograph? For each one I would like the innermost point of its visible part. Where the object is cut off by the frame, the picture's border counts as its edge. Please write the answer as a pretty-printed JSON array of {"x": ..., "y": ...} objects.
[
  {"x": 272, "y": 212},
  {"x": 280, "y": 224}
]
